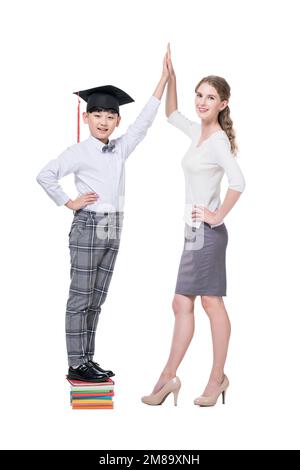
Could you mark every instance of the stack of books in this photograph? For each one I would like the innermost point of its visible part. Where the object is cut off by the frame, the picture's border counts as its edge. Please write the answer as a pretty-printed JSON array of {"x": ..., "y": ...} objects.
[{"x": 91, "y": 395}]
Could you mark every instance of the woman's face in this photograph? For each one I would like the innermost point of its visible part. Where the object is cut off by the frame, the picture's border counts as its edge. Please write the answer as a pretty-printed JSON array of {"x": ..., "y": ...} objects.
[{"x": 208, "y": 103}]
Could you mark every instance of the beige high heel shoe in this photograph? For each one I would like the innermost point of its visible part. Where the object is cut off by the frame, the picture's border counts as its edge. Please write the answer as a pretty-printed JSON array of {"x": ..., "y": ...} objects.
[
  {"x": 173, "y": 386},
  {"x": 212, "y": 399}
]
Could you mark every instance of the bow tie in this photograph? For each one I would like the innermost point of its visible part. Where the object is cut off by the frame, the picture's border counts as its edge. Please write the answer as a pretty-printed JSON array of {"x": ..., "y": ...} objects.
[{"x": 108, "y": 147}]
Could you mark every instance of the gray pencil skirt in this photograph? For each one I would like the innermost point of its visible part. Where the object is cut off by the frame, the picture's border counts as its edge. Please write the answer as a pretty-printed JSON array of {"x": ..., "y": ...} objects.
[{"x": 202, "y": 269}]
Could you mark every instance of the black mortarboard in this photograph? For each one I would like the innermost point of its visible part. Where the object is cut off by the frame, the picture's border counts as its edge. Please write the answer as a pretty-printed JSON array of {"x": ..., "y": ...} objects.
[{"x": 107, "y": 97}]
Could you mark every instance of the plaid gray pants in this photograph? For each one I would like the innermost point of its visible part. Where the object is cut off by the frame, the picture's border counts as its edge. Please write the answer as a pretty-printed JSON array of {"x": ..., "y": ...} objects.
[{"x": 94, "y": 241}]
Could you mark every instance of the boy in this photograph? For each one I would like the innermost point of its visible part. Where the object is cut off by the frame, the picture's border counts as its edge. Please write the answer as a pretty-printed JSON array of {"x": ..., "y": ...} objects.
[{"x": 94, "y": 238}]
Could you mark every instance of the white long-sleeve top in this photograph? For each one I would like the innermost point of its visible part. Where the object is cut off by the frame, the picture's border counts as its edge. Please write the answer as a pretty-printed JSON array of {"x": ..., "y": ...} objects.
[
  {"x": 97, "y": 171},
  {"x": 204, "y": 167}
]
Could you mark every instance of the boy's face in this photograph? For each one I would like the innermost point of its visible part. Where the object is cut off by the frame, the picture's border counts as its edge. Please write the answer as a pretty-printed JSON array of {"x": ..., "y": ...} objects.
[{"x": 101, "y": 124}]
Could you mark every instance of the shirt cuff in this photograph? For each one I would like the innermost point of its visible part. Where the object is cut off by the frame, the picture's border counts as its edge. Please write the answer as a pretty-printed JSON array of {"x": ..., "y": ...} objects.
[
  {"x": 172, "y": 117},
  {"x": 61, "y": 199},
  {"x": 154, "y": 101}
]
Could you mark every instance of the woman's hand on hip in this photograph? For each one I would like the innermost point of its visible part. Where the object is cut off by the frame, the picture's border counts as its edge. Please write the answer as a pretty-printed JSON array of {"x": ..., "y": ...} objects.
[{"x": 202, "y": 213}]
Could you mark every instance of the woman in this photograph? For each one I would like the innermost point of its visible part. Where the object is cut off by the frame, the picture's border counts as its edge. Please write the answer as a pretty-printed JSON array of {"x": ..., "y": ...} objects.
[{"x": 202, "y": 269}]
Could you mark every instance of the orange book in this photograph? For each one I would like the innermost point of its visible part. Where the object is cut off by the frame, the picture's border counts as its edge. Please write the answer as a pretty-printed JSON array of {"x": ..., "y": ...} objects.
[{"x": 91, "y": 401}]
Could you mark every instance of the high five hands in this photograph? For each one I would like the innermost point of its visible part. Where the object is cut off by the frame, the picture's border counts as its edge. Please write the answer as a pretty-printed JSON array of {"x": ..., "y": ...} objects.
[{"x": 168, "y": 70}]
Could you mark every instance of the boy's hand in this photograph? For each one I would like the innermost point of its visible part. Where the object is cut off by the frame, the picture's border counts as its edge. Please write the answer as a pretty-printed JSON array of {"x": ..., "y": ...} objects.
[
  {"x": 82, "y": 201},
  {"x": 165, "y": 72}
]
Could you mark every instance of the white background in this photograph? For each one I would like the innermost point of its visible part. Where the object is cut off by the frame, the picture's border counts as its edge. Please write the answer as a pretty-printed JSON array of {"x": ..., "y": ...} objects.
[{"x": 49, "y": 50}]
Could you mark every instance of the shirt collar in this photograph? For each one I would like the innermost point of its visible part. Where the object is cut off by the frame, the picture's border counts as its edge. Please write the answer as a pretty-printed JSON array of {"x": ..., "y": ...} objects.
[{"x": 97, "y": 143}]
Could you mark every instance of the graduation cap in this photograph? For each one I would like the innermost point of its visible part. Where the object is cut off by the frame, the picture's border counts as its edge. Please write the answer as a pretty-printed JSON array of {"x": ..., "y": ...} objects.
[{"x": 106, "y": 97}]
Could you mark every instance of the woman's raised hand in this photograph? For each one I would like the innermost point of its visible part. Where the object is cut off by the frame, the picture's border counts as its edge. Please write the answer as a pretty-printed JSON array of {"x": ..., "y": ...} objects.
[{"x": 169, "y": 62}]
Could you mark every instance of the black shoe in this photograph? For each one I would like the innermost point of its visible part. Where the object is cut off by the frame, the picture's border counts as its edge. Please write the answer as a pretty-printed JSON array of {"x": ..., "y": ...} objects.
[
  {"x": 109, "y": 373},
  {"x": 87, "y": 372}
]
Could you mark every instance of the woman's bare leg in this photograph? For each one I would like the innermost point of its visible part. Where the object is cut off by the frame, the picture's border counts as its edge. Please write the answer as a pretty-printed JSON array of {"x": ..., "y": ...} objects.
[
  {"x": 183, "y": 307},
  {"x": 220, "y": 332}
]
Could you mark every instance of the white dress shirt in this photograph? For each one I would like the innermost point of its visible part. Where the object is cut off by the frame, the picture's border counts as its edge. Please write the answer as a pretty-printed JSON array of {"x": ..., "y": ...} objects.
[
  {"x": 97, "y": 171},
  {"x": 204, "y": 167}
]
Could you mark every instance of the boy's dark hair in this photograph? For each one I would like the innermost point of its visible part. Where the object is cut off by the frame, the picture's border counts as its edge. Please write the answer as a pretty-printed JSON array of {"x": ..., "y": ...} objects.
[{"x": 96, "y": 109}]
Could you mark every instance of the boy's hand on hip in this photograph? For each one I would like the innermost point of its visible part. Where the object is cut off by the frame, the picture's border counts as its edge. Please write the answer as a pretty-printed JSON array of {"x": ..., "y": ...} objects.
[{"x": 82, "y": 201}]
